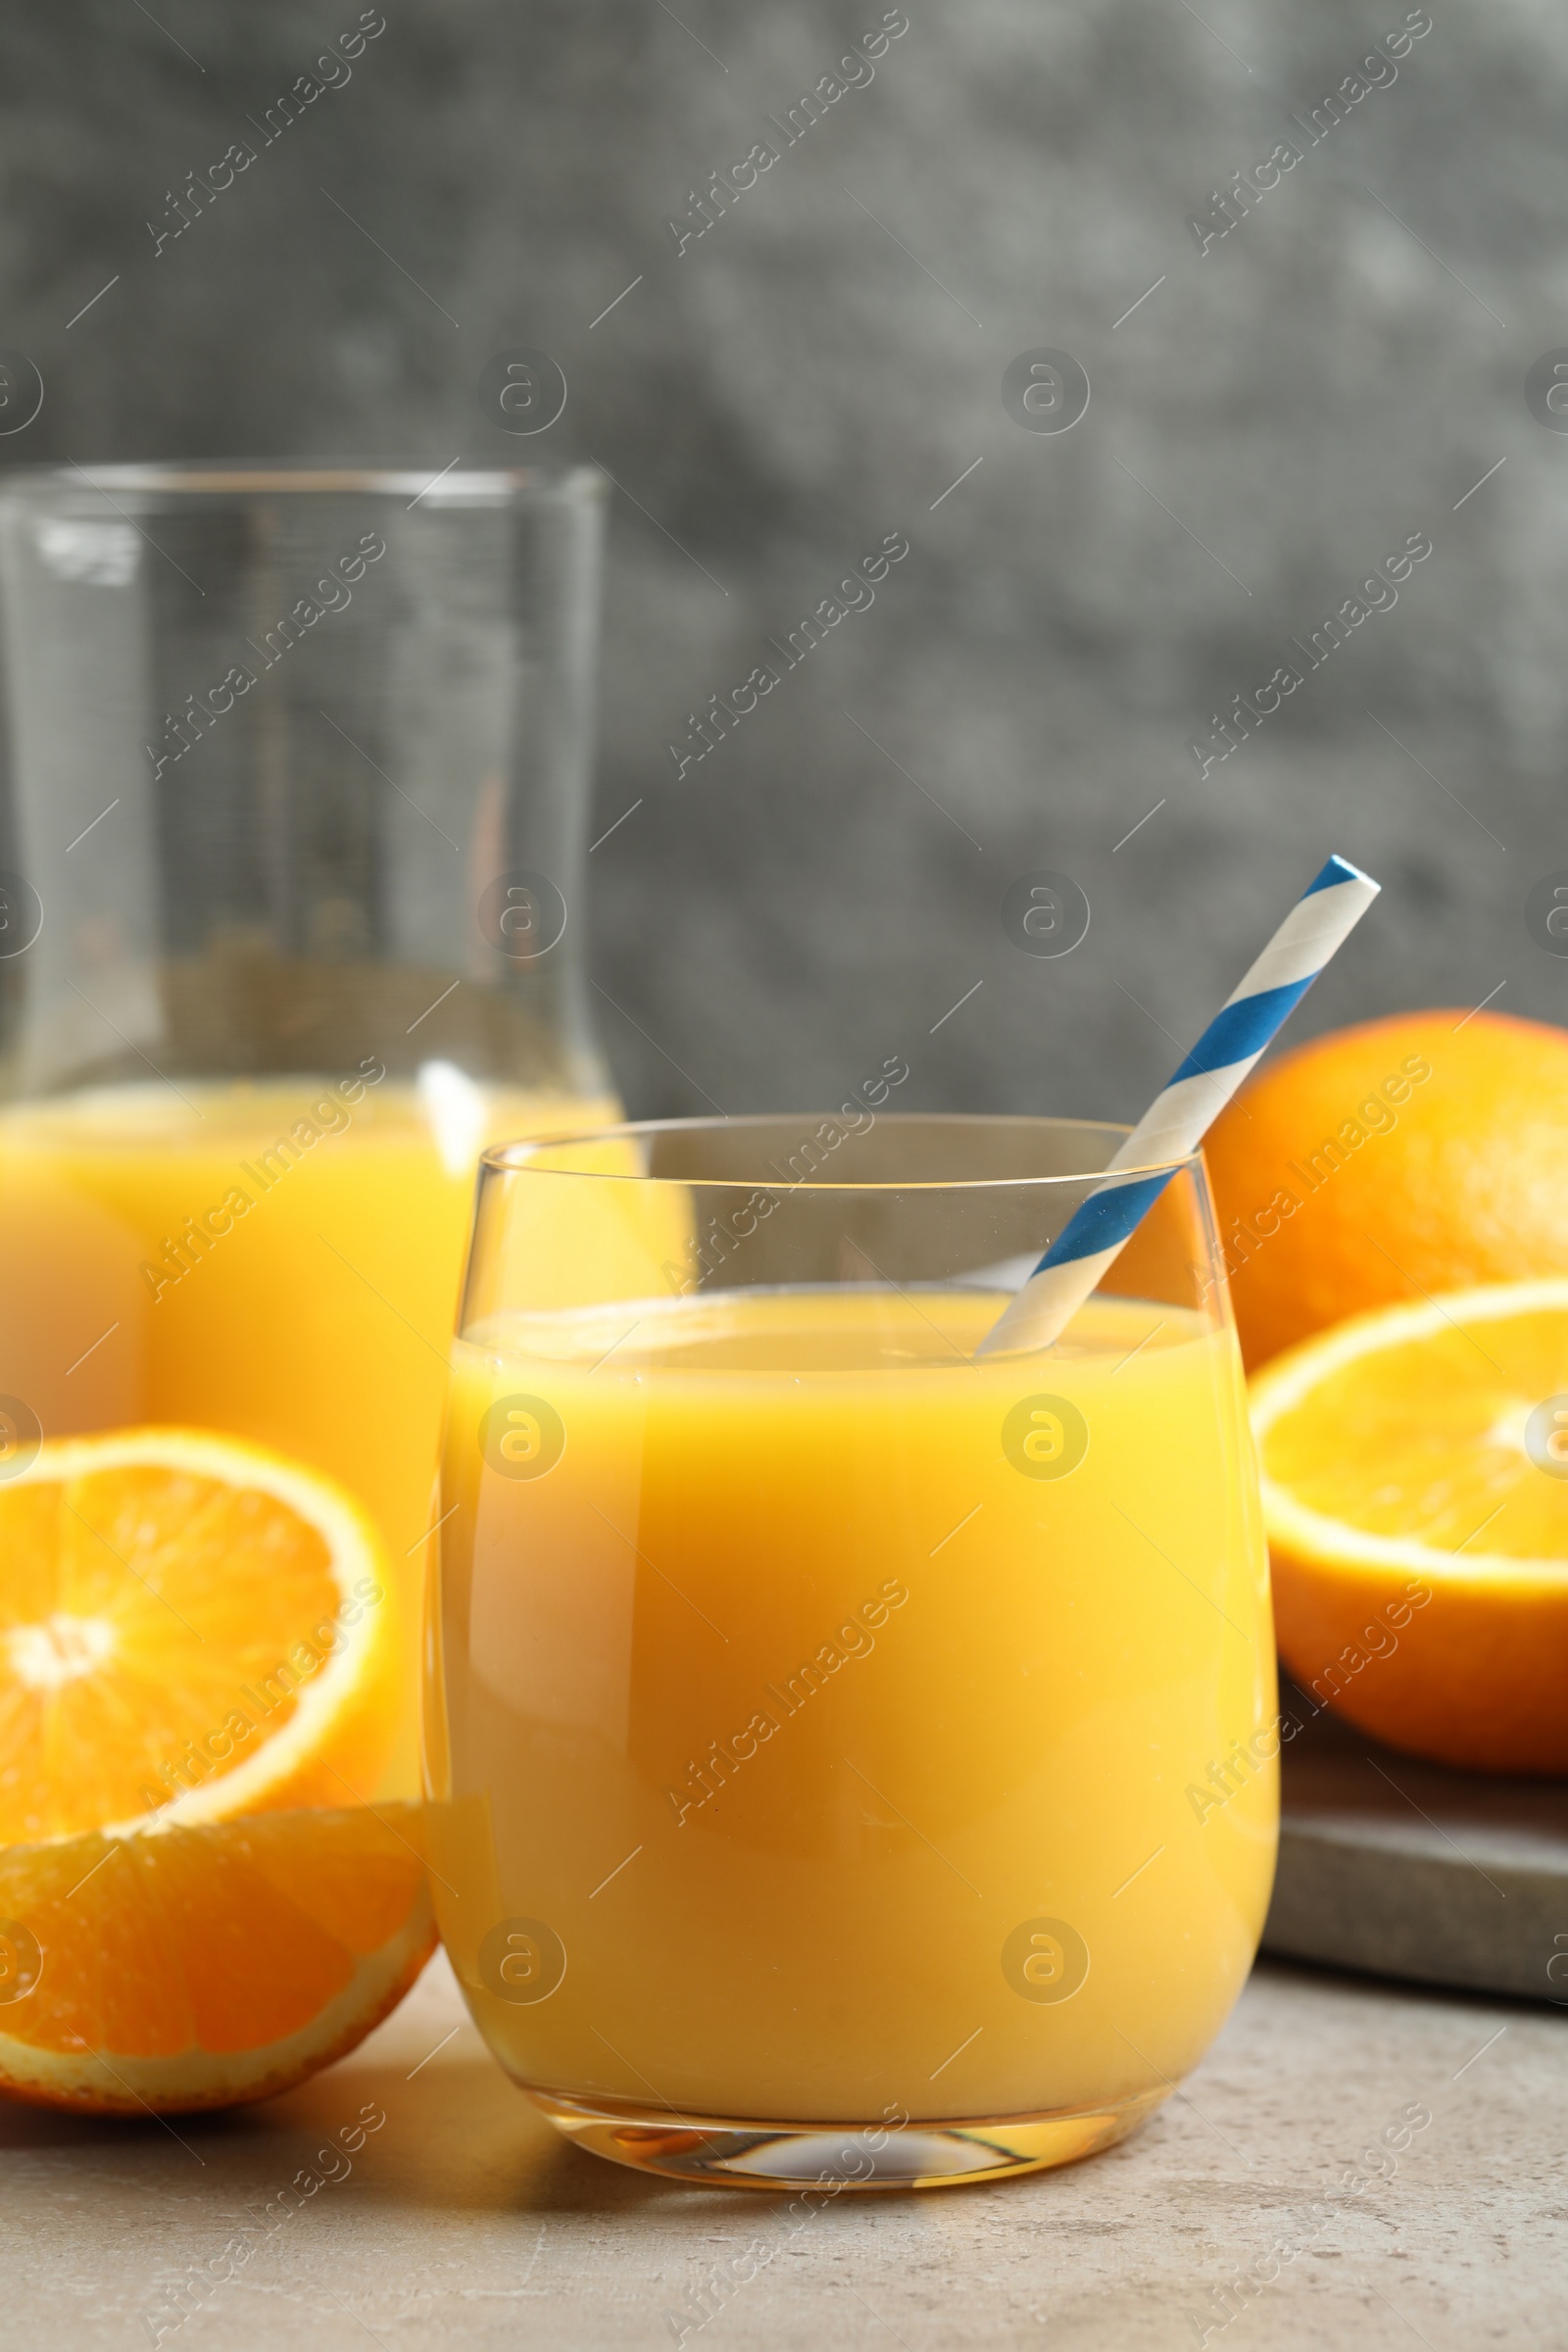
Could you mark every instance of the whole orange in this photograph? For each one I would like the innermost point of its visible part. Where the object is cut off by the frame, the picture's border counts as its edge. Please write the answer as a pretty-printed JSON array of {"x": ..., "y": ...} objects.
[{"x": 1427, "y": 1152}]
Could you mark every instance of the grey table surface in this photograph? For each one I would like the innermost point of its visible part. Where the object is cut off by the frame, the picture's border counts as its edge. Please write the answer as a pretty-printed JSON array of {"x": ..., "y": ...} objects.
[{"x": 466, "y": 2221}]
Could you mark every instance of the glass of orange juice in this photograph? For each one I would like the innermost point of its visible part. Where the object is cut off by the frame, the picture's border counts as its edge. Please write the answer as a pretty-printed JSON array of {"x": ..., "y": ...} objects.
[
  {"x": 851, "y": 1759},
  {"x": 297, "y": 766}
]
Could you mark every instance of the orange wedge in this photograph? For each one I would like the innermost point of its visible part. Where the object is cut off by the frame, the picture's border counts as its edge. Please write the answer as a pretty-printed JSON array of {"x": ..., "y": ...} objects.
[
  {"x": 1415, "y": 1488},
  {"x": 196, "y": 1684},
  {"x": 183, "y": 1968}
]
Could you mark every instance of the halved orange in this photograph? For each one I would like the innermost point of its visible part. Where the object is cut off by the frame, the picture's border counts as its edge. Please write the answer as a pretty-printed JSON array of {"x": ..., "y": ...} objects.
[
  {"x": 190, "y": 1626},
  {"x": 196, "y": 1685},
  {"x": 1415, "y": 1488}
]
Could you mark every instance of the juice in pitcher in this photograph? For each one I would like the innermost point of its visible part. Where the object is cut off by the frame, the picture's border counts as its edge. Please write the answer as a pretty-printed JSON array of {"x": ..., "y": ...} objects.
[{"x": 275, "y": 1262}]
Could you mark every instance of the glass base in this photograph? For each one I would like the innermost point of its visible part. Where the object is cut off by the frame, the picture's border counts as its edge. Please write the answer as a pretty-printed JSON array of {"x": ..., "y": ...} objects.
[{"x": 833, "y": 2157}]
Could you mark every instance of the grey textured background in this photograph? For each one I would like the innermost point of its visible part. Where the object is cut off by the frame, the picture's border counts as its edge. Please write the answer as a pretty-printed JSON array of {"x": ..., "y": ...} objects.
[{"x": 1335, "y": 374}]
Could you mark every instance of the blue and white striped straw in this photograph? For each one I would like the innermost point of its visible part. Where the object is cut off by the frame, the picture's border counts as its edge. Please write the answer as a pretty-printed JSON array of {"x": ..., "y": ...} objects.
[{"x": 1177, "y": 1120}]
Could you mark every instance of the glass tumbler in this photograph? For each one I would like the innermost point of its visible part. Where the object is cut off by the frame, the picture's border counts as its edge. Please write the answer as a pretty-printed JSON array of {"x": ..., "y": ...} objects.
[
  {"x": 292, "y": 848},
  {"x": 850, "y": 1756}
]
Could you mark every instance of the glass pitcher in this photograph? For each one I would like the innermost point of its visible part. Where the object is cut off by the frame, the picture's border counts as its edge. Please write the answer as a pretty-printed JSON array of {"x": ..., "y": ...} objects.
[{"x": 290, "y": 926}]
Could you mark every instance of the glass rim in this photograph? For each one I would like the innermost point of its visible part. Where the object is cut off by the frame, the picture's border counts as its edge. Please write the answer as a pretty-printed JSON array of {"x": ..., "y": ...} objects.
[
  {"x": 519, "y": 1156},
  {"x": 568, "y": 481}
]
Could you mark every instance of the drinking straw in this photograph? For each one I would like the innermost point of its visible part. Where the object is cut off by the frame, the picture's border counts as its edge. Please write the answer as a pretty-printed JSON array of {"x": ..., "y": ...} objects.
[{"x": 1178, "y": 1118}]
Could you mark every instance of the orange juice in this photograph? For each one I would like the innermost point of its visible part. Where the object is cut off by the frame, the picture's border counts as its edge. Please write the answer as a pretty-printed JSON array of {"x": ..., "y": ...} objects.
[
  {"x": 822, "y": 1708},
  {"x": 278, "y": 1260}
]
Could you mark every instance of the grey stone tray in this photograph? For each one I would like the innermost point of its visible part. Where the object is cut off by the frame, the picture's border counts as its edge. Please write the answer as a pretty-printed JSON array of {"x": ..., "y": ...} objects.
[{"x": 1413, "y": 1869}]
